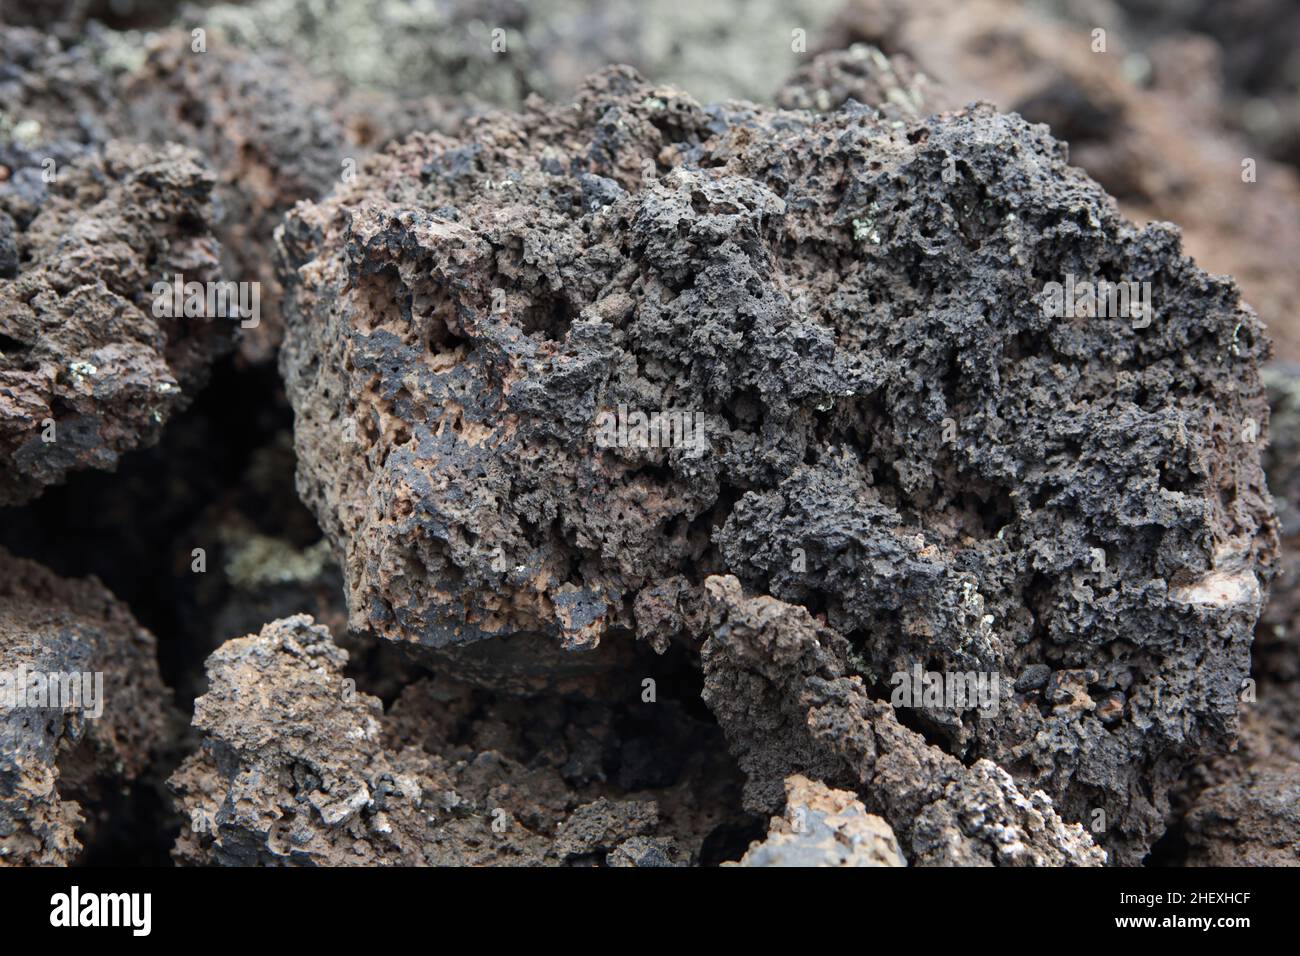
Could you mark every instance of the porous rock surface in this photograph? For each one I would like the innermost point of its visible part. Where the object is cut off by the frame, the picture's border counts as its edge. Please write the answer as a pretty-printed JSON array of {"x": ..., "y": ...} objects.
[
  {"x": 1145, "y": 116},
  {"x": 824, "y": 827},
  {"x": 1275, "y": 656},
  {"x": 897, "y": 436},
  {"x": 88, "y": 225},
  {"x": 890, "y": 84},
  {"x": 298, "y": 768},
  {"x": 273, "y": 133},
  {"x": 1243, "y": 808},
  {"x": 777, "y": 681},
  {"x": 54, "y": 761}
]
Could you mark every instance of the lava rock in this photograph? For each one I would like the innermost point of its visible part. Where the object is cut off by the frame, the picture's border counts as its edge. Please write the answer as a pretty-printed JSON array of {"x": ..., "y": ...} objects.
[
  {"x": 1245, "y": 808},
  {"x": 863, "y": 73},
  {"x": 893, "y": 430},
  {"x": 1142, "y": 108},
  {"x": 273, "y": 133},
  {"x": 87, "y": 370},
  {"x": 778, "y": 683},
  {"x": 299, "y": 768},
  {"x": 824, "y": 827},
  {"x": 90, "y": 367},
  {"x": 60, "y": 759}
]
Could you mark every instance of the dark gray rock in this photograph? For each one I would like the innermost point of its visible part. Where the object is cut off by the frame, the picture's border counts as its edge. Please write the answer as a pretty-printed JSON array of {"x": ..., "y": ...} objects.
[{"x": 896, "y": 433}]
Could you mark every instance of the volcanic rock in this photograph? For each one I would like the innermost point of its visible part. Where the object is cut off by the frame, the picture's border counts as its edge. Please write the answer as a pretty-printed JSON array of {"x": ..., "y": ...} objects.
[
  {"x": 824, "y": 827},
  {"x": 89, "y": 366},
  {"x": 58, "y": 762},
  {"x": 892, "y": 429},
  {"x": 299, "y": 768}
]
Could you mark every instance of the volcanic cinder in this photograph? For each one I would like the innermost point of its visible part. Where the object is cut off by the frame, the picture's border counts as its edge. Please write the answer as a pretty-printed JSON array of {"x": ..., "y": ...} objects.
[{"x": 900, "y": 443}]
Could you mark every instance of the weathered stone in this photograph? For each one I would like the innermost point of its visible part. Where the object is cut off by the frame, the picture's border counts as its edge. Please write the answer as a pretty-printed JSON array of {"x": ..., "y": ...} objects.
[
  {"x": 1246, "y": 805},
  {"x": 892, "y": 85},
  {"x": 777, "y": 681},
  {"x": 1141, "y": 108},
  {"x": 896, "y": 431},
  {"x": 824, "y": 827},
  {"x": 298, "y": 768},
  {"x": 58, "y": 762},
  {"x": 273, "y": 133},
  {"x": 89, "y": 367}
]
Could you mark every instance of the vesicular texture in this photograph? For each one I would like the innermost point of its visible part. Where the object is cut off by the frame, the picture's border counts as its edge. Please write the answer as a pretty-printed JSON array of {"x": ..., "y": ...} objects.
[{"x": 894, "y": 432}]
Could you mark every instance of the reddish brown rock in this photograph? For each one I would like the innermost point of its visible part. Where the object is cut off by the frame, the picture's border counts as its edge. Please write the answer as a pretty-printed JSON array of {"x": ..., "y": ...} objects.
[
  {"x": 89, "y": 226},
  {"x": 298, "y": 768},
  {"x": 58, "y": 764}
]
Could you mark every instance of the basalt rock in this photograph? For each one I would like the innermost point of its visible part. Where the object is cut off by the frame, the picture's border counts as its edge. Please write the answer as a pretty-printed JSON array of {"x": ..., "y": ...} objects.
[
  {"x": 298, "y": 768},
  {"x": 779, "y": 684},
  {"x": 88, "y": 226},
  {"x": 57, "y": 104},
  {"x": 1275, "y": 656},
  {"x": 87, "y": 371},
  {"x": 876, "y": 419},
  {"x": 1246, "y": 811},
  {"x": 1141, "y": 109},
  {"x": 273, "y": 133},
  {"x": 1243, "y": 808},
  {"x": 61, "y": 756},
  {"x": 892, "y": 85}
]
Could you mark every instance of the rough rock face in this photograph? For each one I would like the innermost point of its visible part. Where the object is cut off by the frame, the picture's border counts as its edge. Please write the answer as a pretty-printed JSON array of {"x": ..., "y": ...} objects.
[
  {"x": 264, "y": 128},
  {"x": 1249, "y": 821},
  {"x": 272, "y": 132},
  {"x": 88, "y": 370},
  {"x": 55, "y": 760},
  {"x": 297, "y": 768},
  {"x": 891, "y": 85},
  {"x": 57, "y": 104},
  {"x": 1243, "y": 808},
  {"x": 1276, "y": 651},
  {"x": 82, "y": 348},
  {"x": 778, "y": 684},
  {"x": 1145, "y": 119},
  {"x": 291, "y": 757},
  {"x": 824, "y": 827},
  {"x": 894, "y": 433}
]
